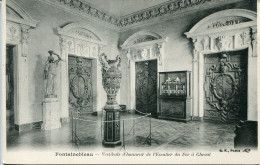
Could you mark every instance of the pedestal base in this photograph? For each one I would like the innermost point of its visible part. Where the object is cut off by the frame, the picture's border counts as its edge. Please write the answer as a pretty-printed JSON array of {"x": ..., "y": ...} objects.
[
  {"x": 51, "y": 115},
  {"x": 111, "y": 144},
  {"x": 112, "y": 129}
]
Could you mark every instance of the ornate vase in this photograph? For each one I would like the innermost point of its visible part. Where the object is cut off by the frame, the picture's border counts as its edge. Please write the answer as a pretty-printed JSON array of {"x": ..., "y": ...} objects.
[{"x": 111, "y": 82}]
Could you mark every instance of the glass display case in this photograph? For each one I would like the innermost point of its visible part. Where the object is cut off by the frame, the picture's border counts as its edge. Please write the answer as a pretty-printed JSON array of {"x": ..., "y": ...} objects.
[{"x": 175, "y": 95}]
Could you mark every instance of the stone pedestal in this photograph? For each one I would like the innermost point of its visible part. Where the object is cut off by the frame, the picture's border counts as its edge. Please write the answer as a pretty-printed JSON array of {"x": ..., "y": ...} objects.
[
  {"x": 112, "y": 129},
  {"x": 51, "y": 115}
]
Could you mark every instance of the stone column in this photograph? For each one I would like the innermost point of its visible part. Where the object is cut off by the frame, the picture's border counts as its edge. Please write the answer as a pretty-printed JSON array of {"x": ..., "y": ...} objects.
[
  {"x": 195, "y": 78},
  {"x": 111, "y": 82}
]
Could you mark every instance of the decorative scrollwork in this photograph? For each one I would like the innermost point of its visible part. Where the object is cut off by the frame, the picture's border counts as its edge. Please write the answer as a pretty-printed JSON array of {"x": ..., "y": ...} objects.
[
  {"x": 80, "y": 84},
  {"x": 223, "y": 86}
]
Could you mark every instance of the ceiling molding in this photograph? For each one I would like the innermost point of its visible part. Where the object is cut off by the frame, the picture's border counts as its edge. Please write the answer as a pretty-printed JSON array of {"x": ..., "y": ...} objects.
[
  {"x": 179, "y": 13},
  {"x": 160, "y": 10},
  {"x": 163, "y": 11},
  {"x": 90, "y": 10},
  {"x": 85, "y": 10}
]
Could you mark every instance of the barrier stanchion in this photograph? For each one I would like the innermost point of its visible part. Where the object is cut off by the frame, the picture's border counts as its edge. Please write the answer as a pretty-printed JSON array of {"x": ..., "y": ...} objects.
[
  {"x": 133, "y": 124},
  {"x": 150, "y": 129},
  {"x": 71, "y": 126},
  {"x": 123, "y": 143},
  {"x": 101, "y": 125},
  {"x": 74, "y": 130}
]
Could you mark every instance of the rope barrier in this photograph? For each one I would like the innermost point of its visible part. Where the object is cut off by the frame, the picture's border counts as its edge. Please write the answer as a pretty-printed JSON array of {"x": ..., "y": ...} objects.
[
  {"x": 76, "y": 116},
  {"x": 111, "y": 120},
  {"x": 141, "y": 112}
]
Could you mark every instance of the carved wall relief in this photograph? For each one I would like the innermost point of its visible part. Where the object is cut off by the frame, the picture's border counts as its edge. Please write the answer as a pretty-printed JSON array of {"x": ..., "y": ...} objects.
[
  {"x": 227, "y": 22},
  {"x": 224, "y": 43},
  {"x": 79, "y": 47},
  {"x": 151, "y": 52},
  {"x": 94, "y": 50},
  {"x": 18, "y": 33},
  {"x": 25, "y": 36},
  {"x": 197, "y": 48},
  {"x": 13, "y": 32},
  {"x": 242, "y": 39},
  {"x": 254, "y": 41},
  {"x": 63, "y": 42}
]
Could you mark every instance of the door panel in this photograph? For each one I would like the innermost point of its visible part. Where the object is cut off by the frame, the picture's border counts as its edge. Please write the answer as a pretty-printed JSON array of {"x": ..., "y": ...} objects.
[
  {"x": 225, "y": 86},
  {"x": 9, "y": 88},
  {"x": 80, "y": 84},
  {"x": 146, "y": 86}
]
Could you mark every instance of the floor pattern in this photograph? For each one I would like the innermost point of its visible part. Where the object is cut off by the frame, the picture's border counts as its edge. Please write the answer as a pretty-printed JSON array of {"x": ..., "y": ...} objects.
[{"x": 165, "y": 135}]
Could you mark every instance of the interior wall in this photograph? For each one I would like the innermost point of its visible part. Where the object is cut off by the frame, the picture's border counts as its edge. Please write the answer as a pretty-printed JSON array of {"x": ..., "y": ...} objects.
[
  {"x": 43, "y": 38},
  {"x": 178, "y": 50}
]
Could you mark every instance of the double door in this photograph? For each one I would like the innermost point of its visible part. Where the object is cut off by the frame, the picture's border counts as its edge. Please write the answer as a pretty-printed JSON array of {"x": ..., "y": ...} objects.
[
  {"x": 80, "y": 84},
  {"x": 146, "y": 86},
  {"x": 225, "y": 86}
]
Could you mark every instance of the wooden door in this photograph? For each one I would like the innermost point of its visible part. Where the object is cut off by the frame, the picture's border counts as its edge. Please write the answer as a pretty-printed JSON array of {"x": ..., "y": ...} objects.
[
  {"x": 9, "y": 88},
  {"x": 80, "y": 84},
  {"x": 225, "y": 86},
  {"x": 146, "y": 86}
]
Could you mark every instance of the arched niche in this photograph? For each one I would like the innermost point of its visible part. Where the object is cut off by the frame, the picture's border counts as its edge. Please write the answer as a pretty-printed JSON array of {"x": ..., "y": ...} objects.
[
  {"x": 80, "y": 40},
  {"x": 18, "y": 25},
  {"x": 227, "y": 30},
  {"x": 141, "y": 46}
]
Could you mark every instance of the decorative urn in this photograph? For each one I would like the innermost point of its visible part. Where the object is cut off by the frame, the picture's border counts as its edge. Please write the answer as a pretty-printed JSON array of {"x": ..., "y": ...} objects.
[{"x": 111, "y": 75}]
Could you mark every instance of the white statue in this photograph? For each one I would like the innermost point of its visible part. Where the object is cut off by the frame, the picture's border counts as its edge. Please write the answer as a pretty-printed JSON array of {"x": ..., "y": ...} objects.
[{"x": 50, "y": 72}]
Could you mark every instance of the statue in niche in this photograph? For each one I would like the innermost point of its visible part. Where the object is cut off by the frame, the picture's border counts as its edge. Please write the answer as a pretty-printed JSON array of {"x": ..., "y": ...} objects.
[{"x": 50, "y": 71}]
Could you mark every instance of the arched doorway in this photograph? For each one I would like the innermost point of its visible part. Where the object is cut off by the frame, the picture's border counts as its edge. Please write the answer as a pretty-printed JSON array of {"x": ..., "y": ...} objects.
[
  {"x": 143, "y": 50},
  {"x": 223, "y": 43},
  {"x": 18, "y": 25},
  {"x": 80, "y": 47}
]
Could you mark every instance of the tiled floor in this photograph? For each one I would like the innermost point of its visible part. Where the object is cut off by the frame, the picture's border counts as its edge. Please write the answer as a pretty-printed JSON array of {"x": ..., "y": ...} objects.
[{"x": 165, "y": 135}]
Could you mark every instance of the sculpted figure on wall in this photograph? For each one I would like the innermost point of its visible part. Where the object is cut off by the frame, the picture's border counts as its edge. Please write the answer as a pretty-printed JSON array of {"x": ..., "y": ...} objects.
[{"x": 50, "y": 71}]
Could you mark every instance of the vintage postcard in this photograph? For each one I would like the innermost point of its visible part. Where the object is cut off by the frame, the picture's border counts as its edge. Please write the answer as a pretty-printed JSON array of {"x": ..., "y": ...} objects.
[{"x": 130, "y": 82}]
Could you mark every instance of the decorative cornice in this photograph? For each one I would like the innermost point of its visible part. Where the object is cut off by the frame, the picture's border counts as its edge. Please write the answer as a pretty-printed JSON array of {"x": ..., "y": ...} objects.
[
  {"x": 169, "y": 8},
  {"x": 90, "y": 10},
  {"x": 159, "y": 10}
]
